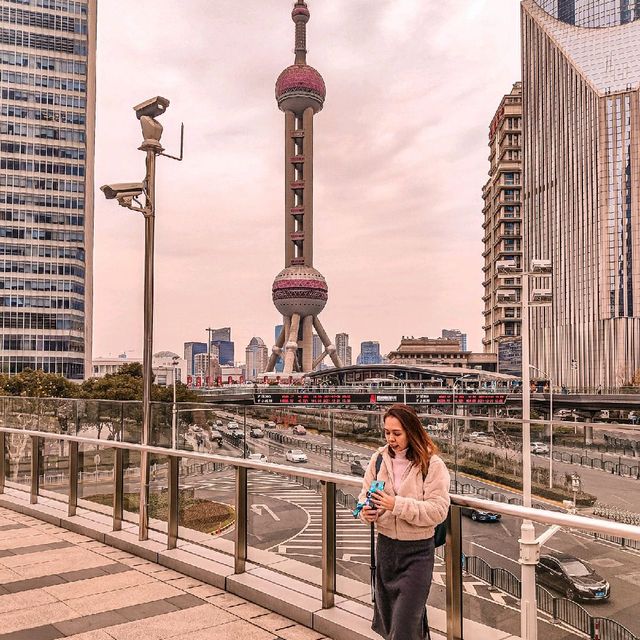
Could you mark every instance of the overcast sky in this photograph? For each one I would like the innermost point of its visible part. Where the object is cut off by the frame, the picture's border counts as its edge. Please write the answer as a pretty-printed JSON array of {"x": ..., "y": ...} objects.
[{"x": 400, "y": 159}]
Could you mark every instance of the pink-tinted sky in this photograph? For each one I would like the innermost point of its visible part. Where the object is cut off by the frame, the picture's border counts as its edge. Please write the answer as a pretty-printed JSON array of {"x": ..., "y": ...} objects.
[{"x": 400, "y": 160}]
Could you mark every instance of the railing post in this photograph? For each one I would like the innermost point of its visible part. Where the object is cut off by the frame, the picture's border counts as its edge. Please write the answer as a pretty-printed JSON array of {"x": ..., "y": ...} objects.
[
  {"x": 118, "y": 488},
  {"x": 172, "y": 525},
  {"x": 35, "y": 468},
  {"x": 73, "y": 478},
  {"x": 3, "y": 460},
  {"x": 328, "y": 544},
  {"x": 453, "y": 568},
  {"x": 240, "y": 548}
]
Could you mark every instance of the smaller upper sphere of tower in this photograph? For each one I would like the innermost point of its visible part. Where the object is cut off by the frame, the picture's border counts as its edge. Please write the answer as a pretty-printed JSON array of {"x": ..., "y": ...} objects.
[
  {"x": 298, "y": 87},
  {"x": 300, "y": 13}
]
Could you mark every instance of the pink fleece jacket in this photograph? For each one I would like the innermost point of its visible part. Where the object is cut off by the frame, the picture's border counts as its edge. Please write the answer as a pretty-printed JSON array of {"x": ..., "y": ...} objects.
[{"x": 420, "y": 505}]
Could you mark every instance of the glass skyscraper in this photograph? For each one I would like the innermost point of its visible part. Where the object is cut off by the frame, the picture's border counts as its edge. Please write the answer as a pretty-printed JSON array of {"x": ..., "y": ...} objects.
[
  {"x": 581, "y": 197},
  {"x": 47, "y": 85}
]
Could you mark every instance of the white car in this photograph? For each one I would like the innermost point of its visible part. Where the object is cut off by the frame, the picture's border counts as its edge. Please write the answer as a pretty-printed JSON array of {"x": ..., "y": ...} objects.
[
  {"x": 232, "y": 426},
  {"x": 258, "y": 457},
  {"x": 299, "y": 430},
  {"x": 296, "y": 455},
  {"x": 539, "y": 447},
  {"x": 270, "y": 425}
]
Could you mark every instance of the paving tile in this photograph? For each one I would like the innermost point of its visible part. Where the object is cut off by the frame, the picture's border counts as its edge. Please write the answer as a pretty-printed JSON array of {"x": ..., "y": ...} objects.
[
  {"x": 24, "y": 600},
  {"x": 90, "y": 635},
  {"x": 122, "y": 598},
  {"x": 226, "y": 600},
  {"x": 248, "y": 611},
  {"x": 59, "y": 566},
  {"x": 185, "y": 601},
  {"x": 272, "y": 622},
  {"x": 36, "y": 616},
  {"x": 148, "y": 610},
  {"x": 182, "y": 622},
  {"x": 33, "y": 583},
  {"x": 45, "y": 632},
  {"x": 298, "y": 632},
  {"x": 185, "y": 583},
  {"x": 11, "y": 526},
  {"x": 90, "y": 623},
  {"x": 202, "y": 590},
  {"x": 229, "y": 631},
  {"x": 95, "y": 585}
]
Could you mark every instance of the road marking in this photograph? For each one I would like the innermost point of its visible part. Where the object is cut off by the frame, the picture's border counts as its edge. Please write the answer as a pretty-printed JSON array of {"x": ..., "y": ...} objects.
[
  {"x": 495, "y": 553},
  {"x": 257, "y": 508},
  {"x": 506, "y": 530}
]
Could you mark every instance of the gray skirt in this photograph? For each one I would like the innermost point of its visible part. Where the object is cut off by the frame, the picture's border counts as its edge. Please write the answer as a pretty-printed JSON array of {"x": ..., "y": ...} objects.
[{"x": 404, "y": 569}]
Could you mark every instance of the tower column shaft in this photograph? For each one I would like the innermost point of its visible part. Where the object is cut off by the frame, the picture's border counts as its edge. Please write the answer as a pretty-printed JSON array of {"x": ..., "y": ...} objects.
[
  {"x": 291, "y": 345},
  {"x": 307, "y": 196},
  {"x": 289, "y": 177},
  {"x": 307, "y": 343},
  {"x": 330, "y": 348}
]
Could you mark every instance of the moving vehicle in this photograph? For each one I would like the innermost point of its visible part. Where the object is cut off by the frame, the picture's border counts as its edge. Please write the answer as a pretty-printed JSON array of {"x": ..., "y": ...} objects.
[
  {"x": 257, "y": 457},
  {"x": 485, "y": 438},
  {"x": 233, "y": 426},
  {"x": 218, "y": 423},
  {"x": 357, "y": 468},
  {"x": 299, "y": 430},
  {"x": 472, "y": 437},
  {"x": 572, "y": 577},
  {"x": 296, "y": 455},
  {"x": 539, "y": 447},
  {"x": 477, "y": 515},
  {"x": 256, "y": 432},
  {"x": 270, "y": 424},
  {"x": 216, "y": 436}
]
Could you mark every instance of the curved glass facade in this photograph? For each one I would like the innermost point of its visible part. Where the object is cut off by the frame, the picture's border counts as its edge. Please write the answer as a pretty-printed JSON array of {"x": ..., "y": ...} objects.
[{"x": 592, "y": 13}]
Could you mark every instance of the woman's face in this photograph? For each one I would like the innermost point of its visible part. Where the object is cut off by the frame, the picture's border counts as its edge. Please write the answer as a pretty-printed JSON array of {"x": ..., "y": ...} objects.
[{"x": 395, "y": 434}]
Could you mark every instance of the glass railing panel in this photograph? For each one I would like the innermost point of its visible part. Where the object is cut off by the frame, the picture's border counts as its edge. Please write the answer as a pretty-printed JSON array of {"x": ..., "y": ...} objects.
[
  {"x": 54, "y": 470},
  {"x": 96, "y": 475},
  {"x": 131, "y": 485},
  {"x": 158, "y": 492},
  {"x": 19, "y": 458}
]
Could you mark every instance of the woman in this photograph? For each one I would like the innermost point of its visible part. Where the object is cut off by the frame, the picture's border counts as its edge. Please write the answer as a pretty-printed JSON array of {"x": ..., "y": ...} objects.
[{"x": 415, "y": 499}]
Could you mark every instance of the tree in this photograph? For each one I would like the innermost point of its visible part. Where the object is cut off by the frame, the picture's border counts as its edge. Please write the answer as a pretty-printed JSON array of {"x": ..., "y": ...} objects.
[{"x": 37, "y": 384}]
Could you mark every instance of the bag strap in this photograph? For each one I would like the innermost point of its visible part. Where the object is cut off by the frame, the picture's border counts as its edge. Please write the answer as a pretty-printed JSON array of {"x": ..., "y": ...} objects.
[{"x": 373, "y": 531}]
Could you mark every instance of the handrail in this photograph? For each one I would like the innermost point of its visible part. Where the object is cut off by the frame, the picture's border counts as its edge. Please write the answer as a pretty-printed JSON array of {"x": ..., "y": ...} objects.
[{"x": 541, "y": 516}]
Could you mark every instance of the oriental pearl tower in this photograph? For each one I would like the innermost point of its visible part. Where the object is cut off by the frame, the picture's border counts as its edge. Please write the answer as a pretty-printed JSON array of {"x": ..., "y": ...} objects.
[{"x": 299, "y": 291}]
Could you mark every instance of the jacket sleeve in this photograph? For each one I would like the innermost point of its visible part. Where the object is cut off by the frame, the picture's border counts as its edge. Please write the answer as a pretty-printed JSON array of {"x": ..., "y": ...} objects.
[{"x": 433, "y": 508}]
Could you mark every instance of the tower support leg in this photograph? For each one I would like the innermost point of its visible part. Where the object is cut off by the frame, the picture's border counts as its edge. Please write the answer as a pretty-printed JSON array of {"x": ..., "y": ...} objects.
[
  {"x": 277, "y": 349},
  {"x": 329, "y": 347},
  {"x": 307, "y": 343},
  {"x": 291, "y": 345}
]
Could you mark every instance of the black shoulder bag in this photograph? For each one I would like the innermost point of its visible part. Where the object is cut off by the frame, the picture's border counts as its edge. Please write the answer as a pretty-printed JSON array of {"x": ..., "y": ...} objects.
[{"x": 439, "y": 537}]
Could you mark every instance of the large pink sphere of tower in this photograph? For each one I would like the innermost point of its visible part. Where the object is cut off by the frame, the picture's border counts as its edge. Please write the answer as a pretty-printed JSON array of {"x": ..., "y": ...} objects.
[
  {"x": 298, "y": 87},
  {"x": 299, "y": 289}
]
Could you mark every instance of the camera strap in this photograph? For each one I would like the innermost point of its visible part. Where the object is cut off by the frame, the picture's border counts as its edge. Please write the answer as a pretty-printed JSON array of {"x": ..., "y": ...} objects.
[{"x": 373, "y": 540}]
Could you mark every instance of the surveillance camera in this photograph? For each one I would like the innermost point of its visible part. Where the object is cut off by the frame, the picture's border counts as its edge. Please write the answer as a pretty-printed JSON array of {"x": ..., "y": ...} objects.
[
  {"x": 153, "y": 107},
  {"x": 122, "y": 190}
]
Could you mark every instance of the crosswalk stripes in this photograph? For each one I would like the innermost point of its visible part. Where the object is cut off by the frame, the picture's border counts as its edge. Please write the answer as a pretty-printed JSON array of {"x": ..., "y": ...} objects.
[{"x": 353, "y": 538}]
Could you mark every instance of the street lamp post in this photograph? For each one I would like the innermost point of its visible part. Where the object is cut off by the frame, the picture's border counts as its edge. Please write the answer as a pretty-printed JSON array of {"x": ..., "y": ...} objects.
[
  {"x": 529, "y": 546},
  {"x": 550, "y": 379},
  {"x": 174, "y": 410},
  {"x": 128, "y": 194},
  {"x": 455, "y": 430}
]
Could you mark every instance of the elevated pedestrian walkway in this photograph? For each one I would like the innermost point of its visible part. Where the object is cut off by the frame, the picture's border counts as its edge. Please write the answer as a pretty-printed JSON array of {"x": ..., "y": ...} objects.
[{"x": 74, "y": 577}]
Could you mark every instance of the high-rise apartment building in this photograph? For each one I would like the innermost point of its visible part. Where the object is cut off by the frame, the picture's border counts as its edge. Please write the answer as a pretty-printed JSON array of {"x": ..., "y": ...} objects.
[
  {"x": 502, "y": 238},
  {"x": 47, "y": 99},
  {"x": 257, "y": 357},
  {"x": 456, "y": 334},
  {"x": 343, "y": 349},
  {"x": 581, "y": 186},
  {"x": 369, "y": 353}
]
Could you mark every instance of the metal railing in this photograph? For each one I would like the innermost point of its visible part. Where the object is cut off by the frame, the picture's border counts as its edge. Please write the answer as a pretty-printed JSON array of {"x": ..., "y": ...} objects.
[{"x": 331, "y": 495}]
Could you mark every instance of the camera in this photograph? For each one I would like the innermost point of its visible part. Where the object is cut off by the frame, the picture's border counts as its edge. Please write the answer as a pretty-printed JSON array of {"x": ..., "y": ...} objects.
[
  {"x": 122, "y": 190},
  {"x": 153, "y": 107}
]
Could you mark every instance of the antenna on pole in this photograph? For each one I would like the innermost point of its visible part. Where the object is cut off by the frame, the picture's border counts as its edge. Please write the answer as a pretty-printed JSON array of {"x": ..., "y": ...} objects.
[{"x": 179, "y": 159}]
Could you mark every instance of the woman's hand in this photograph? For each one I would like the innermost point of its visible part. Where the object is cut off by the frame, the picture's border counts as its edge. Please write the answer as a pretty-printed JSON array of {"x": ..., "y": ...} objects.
[
  {"x": 369, "y": 514},
  {"x": 383, "y": 500}
]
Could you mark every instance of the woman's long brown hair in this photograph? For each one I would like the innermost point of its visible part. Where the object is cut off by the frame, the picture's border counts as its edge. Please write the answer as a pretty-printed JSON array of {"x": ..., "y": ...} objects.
[{"x": 420, "y": 446}]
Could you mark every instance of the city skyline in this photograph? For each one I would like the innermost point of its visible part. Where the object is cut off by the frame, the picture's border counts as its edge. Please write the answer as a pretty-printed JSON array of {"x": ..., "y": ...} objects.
[{"x": 399, "y": 208}]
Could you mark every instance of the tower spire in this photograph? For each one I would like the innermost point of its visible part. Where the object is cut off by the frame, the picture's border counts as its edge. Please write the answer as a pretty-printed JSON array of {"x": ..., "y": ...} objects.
[{"x": 300, "y": 15}]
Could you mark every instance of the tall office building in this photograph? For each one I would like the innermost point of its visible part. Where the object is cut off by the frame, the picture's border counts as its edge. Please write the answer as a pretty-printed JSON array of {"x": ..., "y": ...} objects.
[
  {"x": 581, "y": 199},
  {"x": 257, "y": 356},
  {"x": 191, "y": 349},
  {"x": 369, "y": 353},
  {"x": 502, "y": 236},
  {"x": 47, "y": 86},
  {"x": 221, "y": 339},
  {"x": 456, "y": 334},
  {"x": 223, "y": 334},
  {"x": 343, "y": 349},
  {"x": 279, "y": 367}
]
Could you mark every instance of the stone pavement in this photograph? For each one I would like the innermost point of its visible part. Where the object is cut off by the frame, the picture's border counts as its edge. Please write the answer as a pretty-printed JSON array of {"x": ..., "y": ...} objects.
[{"x": 58, "y": 584}]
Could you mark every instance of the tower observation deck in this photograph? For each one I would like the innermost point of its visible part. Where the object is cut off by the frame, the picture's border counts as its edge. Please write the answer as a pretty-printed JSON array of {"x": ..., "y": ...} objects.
[{"x": 299, "y": 291}]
